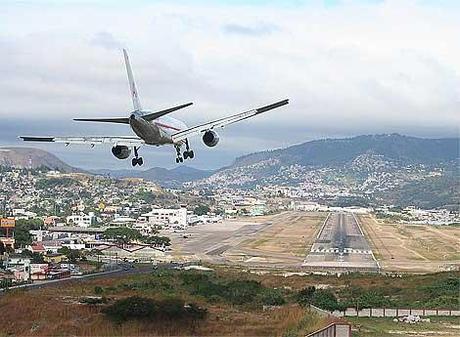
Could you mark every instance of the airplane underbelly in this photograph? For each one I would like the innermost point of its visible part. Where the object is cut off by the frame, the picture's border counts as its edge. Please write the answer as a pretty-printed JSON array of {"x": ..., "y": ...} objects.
[{"x": 149, "y": 132}]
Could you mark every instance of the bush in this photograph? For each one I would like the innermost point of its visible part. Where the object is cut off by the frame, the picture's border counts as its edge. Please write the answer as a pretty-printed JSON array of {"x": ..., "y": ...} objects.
[
  {"x": 131, "y": 308},
  {"x": 98, "y": 290},
  {"x": 271, "y": 297},
  {"x": 141, "y": 308},
  {"x": 305, "y": 296},
  {"x": 325, "y": 299},
  {"x": 242, "y": 291}
]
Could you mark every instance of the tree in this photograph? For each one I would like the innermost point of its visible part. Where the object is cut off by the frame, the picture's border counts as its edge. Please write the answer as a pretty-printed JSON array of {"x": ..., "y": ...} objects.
[
  {"x": 72, "y": 254},
  {"x": 201, "y": 210},
  {"x": 2, "y": 248},
  {"x": 157, "y": 240},
  {"x": 122, "y": 235},
  {"x": 22, "y": 236}
]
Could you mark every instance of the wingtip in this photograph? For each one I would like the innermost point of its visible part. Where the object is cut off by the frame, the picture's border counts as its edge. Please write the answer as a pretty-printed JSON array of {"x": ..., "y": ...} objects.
[{"x": 273, "y": 106}]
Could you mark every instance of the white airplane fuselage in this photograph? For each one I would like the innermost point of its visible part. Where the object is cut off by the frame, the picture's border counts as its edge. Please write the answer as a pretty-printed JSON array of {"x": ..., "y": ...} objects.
[{"x": 156, "y": 132}]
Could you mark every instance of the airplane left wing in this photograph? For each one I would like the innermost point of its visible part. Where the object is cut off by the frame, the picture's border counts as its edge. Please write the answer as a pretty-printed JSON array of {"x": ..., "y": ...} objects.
[
  {"x": 220, "y": 123},
  {"x": 127, "y": 141}
]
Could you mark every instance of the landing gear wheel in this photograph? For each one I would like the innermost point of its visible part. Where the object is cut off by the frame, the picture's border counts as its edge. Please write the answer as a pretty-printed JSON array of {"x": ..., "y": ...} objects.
[
  {"x": 191, "y": 155},
  {"x": 134, "y": 161},
  {"x": 181, "y": 159},
  {"x": 186, "y": 154},
  {"x": 177, "y": 160},
  {"x": 140, "y": 161}
]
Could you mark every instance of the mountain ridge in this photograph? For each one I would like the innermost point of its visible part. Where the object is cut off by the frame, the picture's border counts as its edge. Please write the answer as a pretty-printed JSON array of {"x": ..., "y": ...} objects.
[
  {"x": 33, "y": 158},
  {"x": 395, "y": 146}
]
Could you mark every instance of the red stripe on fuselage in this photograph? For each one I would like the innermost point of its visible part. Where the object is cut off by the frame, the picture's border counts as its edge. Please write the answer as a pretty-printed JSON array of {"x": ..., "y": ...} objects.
[{"x": 167, "y": 126}]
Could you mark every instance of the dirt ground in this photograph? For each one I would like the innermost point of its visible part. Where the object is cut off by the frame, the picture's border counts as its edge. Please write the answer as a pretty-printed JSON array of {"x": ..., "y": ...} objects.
[{"x": 413, "y": 248}]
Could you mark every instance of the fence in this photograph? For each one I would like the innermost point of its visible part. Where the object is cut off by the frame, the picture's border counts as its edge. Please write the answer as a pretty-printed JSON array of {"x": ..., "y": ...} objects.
[
  {"x": 395, "y": 312},
  {"x": 337, "y": 329}
]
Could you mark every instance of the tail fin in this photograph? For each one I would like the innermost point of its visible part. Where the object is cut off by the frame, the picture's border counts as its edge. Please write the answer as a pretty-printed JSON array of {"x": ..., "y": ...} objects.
[{"x": 132, "y": 84}]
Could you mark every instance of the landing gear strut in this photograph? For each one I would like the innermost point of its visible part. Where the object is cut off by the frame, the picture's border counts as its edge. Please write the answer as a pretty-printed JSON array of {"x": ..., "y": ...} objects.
[
  {"x": 188, "y": 153},
  {"x": 137, "y": 160},
  {"x": 179, "y": 158}
]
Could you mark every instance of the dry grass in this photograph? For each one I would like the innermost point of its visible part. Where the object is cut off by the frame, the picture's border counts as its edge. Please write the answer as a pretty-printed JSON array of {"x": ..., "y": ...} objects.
[
  {"x": 422, "y": 248},
  {"x": 55, "y": 311},
  {"x": 290, "y": 235}
]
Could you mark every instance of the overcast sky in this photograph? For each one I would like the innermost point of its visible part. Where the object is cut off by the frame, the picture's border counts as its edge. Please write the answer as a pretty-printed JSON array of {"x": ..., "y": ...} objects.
[{"x": 348, "y": 67}]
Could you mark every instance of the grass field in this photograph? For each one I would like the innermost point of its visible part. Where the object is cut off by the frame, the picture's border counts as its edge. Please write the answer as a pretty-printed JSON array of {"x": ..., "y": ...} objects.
[
  {"x": 413, "y": 248},
  {"x": 378, "y": 327}
]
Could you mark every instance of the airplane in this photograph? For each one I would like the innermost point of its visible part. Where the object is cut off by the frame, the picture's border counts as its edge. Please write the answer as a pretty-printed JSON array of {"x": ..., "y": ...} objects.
[{"x": 154, "y": 128}]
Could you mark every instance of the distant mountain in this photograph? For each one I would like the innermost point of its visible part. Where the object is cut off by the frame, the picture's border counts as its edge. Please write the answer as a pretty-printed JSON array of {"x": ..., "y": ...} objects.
[
  {"x": 164, "y": 177},
  {"x": 330, "y": 152},
  {"x": 364, "y": 169},
  {"x": 23, "y": 157}
]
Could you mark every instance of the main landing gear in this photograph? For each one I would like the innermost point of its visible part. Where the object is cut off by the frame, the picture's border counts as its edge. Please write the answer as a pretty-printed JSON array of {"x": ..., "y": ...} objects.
[
  {"x": 137, "y": 160},
  {"x": 188, "y": 154}
]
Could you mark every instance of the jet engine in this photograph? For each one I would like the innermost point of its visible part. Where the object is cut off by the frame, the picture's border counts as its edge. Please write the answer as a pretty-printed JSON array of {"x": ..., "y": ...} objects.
[
  {"x": 121, "y": 151},
  {"x": 210, "y": 138}
]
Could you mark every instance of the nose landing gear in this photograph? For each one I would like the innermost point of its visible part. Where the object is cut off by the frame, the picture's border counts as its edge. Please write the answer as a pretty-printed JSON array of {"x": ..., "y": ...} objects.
[{"x": 137, "y": 160}]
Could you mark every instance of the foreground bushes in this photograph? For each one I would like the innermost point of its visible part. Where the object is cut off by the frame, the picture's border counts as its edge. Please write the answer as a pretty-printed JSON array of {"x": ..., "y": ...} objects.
[
  {"x": 236, "y": 292},
  {"x": 141, "y": 308}
]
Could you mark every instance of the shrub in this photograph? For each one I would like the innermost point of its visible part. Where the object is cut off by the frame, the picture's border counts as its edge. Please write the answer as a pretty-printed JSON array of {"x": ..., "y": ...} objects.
[
  {"x": 242, "y": 291},
  {"x": 131, "y": 308},
  {"x": 325, "y": 299},
  {"x": 271, "y": 297},
  {"x": 305, "y": 296},
  {"x": 141, "y": 308},
  {"x": 98, "y": 290}
]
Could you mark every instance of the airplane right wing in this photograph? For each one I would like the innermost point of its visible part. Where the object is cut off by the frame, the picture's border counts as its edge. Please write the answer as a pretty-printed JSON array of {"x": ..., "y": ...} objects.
[
  {"x": 220, "y": 123},
  {"x": 126, "y": 141}
]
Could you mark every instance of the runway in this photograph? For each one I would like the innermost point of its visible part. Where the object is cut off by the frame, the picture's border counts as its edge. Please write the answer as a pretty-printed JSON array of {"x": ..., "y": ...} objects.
[{"x": 341, "y": 246}]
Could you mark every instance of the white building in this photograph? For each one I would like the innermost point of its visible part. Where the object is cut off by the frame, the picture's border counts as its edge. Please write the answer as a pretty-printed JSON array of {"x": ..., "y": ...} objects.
[
  {"x": 167, "y": 216},
  {"x": 81, "y": 220}
]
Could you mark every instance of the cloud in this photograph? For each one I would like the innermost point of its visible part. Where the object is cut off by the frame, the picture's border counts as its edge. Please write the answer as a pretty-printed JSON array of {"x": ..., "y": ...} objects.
[
  {"x": 106, "y": 40},
  {"x": 348, "y": 69},
  {"x": 251, "y": 30}
]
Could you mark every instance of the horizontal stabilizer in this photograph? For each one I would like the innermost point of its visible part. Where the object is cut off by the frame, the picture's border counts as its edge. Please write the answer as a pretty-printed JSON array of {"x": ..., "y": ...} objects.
[
  {"x": 121, "y": 120},
  {"x": 37, "y": 139},
  {"x": 155, "y": 115}
]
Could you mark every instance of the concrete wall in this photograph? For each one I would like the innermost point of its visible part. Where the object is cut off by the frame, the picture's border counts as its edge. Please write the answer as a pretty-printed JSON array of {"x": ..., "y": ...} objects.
[
  {"x": 333, "y": 330},
  {"x": 395, "y": 312}
]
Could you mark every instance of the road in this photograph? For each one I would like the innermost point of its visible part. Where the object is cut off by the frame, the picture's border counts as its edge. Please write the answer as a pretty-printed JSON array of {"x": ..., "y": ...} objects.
[
  {"x": 142, "y": 269},
  {"x": 341, "y": 246}
]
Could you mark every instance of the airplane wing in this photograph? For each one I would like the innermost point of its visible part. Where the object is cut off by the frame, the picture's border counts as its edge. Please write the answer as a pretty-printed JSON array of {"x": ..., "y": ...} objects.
[
  {"x": 127, "y": 141},
  {"x": 222, "y": 122}
]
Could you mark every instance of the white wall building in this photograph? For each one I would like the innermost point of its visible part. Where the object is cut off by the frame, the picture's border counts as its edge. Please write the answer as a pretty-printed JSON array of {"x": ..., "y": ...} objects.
[
  {"x": 81, "y": 220},
  {"x": 167, "y": 216}
]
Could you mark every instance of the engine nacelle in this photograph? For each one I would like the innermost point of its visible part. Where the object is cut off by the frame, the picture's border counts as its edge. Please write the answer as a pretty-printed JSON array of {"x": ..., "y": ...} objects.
[
  {"x": 210, "y": 138},
  {"x": 121, "y": 151}
]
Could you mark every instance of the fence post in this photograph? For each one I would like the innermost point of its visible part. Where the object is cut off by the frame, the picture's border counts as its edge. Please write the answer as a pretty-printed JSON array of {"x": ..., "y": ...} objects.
[{"x": 384, "y": 312}]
